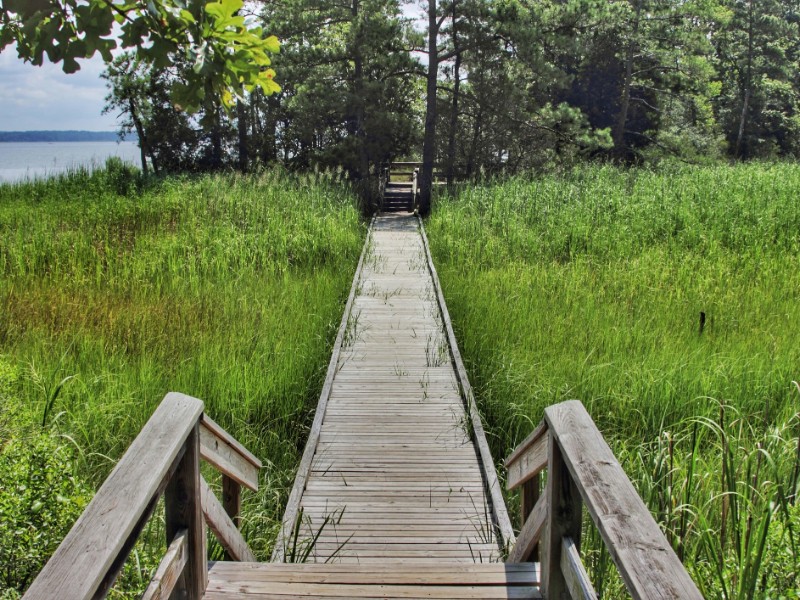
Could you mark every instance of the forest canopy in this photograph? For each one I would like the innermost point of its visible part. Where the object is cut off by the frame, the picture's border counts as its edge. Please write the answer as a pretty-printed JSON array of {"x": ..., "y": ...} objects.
[{"x": 471, "y": 85}]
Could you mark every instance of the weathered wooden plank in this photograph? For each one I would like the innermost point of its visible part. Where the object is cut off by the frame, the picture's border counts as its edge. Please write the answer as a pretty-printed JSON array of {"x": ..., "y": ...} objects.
[
  {"x": 169, "y": 569},
  {"x": 397, "y": 427},
  {"x": 529, "y": 495},
  {"x": 563, "y": 519},
  {"x": 79, "y": 566},
  {"x": 528, "y": 459},
  {"x": 530, "y": 534},
  {"x": 319, "y": 592},
  {"x": 344, "y": 484},
  {"x": 493, "y": 484},
  {"x": 182, "y": 510},
  {"x": 223, "y": 527},
  {"x": 417, "y": 512},
  {"x": 427, "y": 534},
  {"x": 227, "y": 457},
  {"x": 418, "y": 560},
  {"x": 578, "y": 582},
  {"x": 211, "y": 425},
  {"x": 367, "y": 522},
  {"x": 647, "y": 563},
  {"x": 231, "y": 498},
  {"x": 440, "y": 475},
  {"x": 397, "y": 573},
  {"x": 404, "y": 545},
  {"x": 387, "y": 532}
]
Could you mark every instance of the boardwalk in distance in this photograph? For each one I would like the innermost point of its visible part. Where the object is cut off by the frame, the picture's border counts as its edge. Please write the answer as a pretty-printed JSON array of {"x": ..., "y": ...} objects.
[{"x": 390, "y": 459}]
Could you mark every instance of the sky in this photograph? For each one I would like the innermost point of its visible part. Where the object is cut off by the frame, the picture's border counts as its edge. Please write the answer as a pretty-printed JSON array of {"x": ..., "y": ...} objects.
[{"x": 37, "y": 98}]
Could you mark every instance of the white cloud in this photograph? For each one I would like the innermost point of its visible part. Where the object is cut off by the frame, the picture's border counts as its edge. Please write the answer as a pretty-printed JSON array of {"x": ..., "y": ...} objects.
[{"x": 35, "y": 98}]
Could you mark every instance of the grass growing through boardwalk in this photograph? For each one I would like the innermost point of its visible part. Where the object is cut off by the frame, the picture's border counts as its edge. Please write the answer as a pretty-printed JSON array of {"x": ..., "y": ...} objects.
[
  {"x": 591, "y": 285},
  {"x": 226, "y": 288}
]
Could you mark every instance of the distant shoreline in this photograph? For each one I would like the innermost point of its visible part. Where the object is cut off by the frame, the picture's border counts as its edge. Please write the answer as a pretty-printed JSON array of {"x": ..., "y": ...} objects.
[{"x": 63, "y": 136}]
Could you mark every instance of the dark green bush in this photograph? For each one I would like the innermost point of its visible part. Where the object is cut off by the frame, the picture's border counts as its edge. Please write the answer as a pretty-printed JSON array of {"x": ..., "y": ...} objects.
[
  {"x": 40, "y": 499},
  {"x": 120, "y": 176}
]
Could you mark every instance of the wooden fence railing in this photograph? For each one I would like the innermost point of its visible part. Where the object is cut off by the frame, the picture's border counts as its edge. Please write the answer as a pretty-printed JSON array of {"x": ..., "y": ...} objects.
[
  {"x": 163, "y": 459},
  {"x": 581, "y": 469}
]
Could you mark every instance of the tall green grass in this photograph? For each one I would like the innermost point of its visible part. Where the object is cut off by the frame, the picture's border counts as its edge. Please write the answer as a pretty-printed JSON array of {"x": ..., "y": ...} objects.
[
  {"x": 591, "y": 285},
  {"x": 227, "y": 288}
]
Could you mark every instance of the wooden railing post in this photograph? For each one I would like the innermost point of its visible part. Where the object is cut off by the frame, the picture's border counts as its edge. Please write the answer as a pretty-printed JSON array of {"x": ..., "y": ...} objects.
[
  {"x": 563, "y": 520},
  {"x": 232, "y": 503},
  {"x": 414, "y": 188},
  {"x": 163, "y": 459},
  {"x": 232, "y": 498},
  {"x": 183, "y": 510},
  {"x": 528, "y": 496}
]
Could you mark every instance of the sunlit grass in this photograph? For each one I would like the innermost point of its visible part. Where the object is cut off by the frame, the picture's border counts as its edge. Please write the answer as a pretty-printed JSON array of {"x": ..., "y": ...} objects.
[
  {"x": 591, "y": 285},
  {"x": 226, "y": 288}
]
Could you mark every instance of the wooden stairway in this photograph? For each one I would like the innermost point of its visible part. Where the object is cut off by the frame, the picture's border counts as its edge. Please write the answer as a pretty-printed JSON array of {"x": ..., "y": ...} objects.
[{"x": 398, "y": 196}]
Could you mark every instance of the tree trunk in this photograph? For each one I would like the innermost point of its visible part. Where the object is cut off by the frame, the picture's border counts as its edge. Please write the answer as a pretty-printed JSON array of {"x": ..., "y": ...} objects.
[
  {"x": 742, "y": 123},
  {"x": 140, "y": 133},
  {"x": 748, "y": 81},
  {"x": 429, "y": 139},
  {"x": 451, "y": 142},
  {"x": 473, "y": 148},
  {"x": 618, "y": 134},
  {"x": 358, "y": 85},
  {"x": 271, "y": 130},
  {"x": 241, "y": 122},
  {"x": 216, "y": 139}
]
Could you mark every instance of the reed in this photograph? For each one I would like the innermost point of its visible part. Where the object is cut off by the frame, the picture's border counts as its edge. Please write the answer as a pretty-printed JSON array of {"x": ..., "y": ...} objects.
[
  {"x": 665, "y": 300},
  {"x": 229, "y": 288}
]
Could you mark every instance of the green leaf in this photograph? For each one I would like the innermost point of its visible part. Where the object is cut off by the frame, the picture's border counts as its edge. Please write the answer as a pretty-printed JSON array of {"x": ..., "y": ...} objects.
[{"x": 272, "y": 44}]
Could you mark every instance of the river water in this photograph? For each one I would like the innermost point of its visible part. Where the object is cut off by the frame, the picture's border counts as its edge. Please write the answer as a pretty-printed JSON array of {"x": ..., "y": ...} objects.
[{"x": 29, "y": 160}]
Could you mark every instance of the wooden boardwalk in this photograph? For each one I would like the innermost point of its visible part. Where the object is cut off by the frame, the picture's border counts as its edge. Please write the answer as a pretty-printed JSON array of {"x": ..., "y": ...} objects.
[{"x": 391, "y": 471}]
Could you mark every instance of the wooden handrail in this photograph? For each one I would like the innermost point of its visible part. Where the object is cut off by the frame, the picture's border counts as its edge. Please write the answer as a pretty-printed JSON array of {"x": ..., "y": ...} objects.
[
  {"x": 582, "y": 469},
  {"x": 163, "y": 459}
]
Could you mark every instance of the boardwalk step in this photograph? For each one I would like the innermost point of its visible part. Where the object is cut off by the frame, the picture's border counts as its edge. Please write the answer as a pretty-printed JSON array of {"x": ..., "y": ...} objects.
[
  {"x": 398, "y": 197},
  {"x": 407, "y": 580}
]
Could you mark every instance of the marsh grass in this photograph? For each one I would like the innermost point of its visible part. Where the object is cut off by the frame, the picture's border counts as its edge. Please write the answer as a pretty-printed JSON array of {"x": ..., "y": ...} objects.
[
  {"x": 591, "y": 285},
  {"x": 227, "y": 288}
]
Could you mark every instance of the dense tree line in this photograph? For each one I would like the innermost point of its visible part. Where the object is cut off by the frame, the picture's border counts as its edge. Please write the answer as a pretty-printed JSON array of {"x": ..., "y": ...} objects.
[{"x": 479, "y": 86}]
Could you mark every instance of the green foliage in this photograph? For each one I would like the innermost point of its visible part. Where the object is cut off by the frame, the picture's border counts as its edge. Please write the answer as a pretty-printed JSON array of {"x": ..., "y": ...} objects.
[
  {"x": 783, "y": 554},
  {"x": 9, "y": 375},
  {"x": 41, "y": 496},
  {"x": 227, "y": 54},
  {"x": 758, "y": 52},
  {"x": 348, "y": 100},
  {"x": 121, "y": 177}
]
